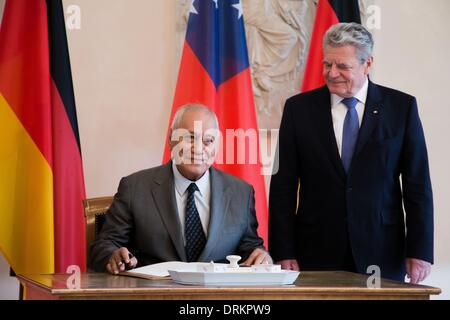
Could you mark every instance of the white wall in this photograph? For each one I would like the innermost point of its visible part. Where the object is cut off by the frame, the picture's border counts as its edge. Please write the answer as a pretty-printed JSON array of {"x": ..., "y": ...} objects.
[
  {"x": 411, "y": 54},
  {"x": 124, "y": 73},
  {"x": 124, "y": 67}
]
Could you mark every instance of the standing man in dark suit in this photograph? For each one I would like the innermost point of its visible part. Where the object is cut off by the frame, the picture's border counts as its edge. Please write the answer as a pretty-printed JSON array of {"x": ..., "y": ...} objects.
[
  {"x": 184, "y": 210},
  {"x": 358, "y": 151}
]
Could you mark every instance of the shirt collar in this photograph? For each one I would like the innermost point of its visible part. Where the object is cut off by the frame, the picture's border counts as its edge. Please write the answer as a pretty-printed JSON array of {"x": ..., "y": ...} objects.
[
  {"x": 182, "y": 183},
  {"x": 361, "y": 95}
]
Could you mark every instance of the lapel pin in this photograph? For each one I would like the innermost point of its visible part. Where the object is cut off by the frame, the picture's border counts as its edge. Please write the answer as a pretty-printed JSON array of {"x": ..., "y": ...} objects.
[{"x": 375, "y": 111}]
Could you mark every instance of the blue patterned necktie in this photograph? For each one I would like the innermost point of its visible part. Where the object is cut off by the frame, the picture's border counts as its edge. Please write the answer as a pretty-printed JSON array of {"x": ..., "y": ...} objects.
[
  {"x": 350, "y": 133},
  {"x": 193, "y": 230}
]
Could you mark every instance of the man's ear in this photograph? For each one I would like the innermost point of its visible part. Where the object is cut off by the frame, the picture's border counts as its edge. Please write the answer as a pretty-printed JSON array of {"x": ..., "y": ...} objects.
[
  {"x": 369, "y": 64},
  {"x": 169, "y": 141},
  {"x": 175, "y": 137}
]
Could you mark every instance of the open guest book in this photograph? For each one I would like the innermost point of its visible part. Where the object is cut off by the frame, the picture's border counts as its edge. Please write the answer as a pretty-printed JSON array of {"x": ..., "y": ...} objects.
[
  {"x": 159, "y": 271},
  {"x": 204, "y": 273}
]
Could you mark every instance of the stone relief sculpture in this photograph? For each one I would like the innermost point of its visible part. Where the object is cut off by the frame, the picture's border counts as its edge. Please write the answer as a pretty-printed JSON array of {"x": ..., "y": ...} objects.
[
  {"x": 182, "y": 14},
  {"x": 277, "y": 37},
  {"x": 278, "y": 32}
]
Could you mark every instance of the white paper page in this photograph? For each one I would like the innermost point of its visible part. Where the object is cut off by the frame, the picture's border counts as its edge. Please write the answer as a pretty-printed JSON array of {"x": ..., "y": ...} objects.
[{"x": 161, "y": 269}]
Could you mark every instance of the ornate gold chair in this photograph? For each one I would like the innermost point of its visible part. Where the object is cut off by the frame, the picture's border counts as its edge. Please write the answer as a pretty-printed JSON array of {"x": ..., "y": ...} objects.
[{"x": 94, "y": 211}]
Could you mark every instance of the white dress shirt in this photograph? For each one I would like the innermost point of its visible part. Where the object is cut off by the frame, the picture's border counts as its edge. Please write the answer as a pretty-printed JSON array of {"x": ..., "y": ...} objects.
[
  {"x": 339, "y": 111},
  {"x": 201, "y": 197}
]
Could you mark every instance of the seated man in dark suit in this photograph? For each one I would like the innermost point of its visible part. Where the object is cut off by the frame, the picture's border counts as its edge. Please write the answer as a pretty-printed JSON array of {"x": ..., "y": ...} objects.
[{"x": 184, "y": 210}]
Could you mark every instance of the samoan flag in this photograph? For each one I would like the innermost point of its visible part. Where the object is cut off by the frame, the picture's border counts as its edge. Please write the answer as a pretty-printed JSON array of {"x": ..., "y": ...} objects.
[{"x": 215, "y": 71}]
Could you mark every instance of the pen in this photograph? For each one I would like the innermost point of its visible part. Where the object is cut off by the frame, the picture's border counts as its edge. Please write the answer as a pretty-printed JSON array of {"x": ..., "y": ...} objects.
[
  {"x": 244, "y": 265},
  {"x": 127, "y": 265}
]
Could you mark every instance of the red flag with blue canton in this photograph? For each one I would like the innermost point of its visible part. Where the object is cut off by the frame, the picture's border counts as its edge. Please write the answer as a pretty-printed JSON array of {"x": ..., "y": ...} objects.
[{"x": 215, "y": 71}]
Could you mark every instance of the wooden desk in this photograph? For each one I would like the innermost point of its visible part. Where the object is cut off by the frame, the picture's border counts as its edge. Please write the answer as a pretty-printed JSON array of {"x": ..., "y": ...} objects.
[{"x": 309, "y": 285}]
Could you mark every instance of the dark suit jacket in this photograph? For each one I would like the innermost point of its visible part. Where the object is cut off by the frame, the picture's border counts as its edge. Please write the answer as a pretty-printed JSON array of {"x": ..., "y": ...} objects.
[
  {"x": 364, "y": 208},
  {"x": 144, "y": 218}
]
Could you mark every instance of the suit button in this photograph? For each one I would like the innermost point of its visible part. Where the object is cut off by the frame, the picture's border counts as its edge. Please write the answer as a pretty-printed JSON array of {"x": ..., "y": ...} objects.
[{"x": 350, "y": 189}]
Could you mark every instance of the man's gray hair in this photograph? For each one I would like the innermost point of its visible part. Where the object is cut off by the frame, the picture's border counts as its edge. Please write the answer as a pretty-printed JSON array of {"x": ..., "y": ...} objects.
[
  {"x": 353, "y": 34},
  {"x": 191, "y": 107}
]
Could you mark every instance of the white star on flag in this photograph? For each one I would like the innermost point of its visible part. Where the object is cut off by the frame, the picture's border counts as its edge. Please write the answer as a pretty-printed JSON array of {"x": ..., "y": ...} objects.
[
  {"x": 217, "y": 3},
  {"x": 192, "y": 9},
  {"x": 238, "y": 6}
]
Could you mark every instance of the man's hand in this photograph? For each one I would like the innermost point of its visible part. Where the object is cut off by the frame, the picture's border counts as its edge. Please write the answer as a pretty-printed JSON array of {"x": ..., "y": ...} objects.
[
  {"x": 417, "y": 270},
  {"x": 289, "y": 264},
  {"x": 258, "y": 256},
  {"x": 120, "y": 259}
]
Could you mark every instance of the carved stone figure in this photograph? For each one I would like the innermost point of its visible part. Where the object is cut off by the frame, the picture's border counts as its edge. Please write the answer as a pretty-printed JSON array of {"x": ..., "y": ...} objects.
[{"x": 277, "y": 36}]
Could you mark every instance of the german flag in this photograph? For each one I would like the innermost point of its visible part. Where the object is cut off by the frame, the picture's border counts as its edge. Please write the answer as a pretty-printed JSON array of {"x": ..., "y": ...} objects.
[
  {"x": 41, "y": 176},
  {"x": 329, "y": 12}
]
